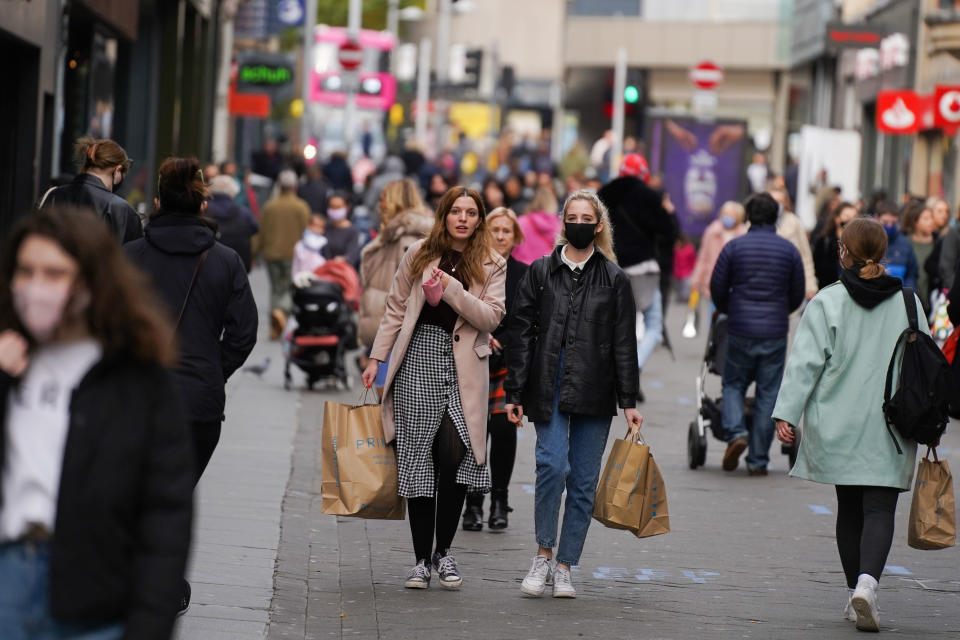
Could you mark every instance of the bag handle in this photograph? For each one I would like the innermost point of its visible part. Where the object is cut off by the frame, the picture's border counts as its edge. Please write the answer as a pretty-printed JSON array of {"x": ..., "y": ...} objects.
[
  {"x": 193, "y": 281},
  {"x": 931, "y": 449},
  {"x": 636, "y": 439},
  {"x": 363, "y": 397}
]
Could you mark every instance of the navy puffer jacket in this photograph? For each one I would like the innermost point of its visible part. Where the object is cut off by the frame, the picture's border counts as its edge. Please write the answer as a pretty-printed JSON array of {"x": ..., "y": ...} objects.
[{"x": 758, "y": 280}]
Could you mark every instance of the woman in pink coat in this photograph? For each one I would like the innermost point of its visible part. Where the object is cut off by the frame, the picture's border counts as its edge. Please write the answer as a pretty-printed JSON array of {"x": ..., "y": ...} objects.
[
  {"x": 728, "y": 225},
  {"x": 446, "y": 298},
  {"x": 540, "y": 226}
]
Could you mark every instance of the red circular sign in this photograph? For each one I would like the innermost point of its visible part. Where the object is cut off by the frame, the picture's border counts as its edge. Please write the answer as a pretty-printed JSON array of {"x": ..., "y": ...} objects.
[
  {"x": 706, "y": 75},
  {"x": 350, "y": 55}
]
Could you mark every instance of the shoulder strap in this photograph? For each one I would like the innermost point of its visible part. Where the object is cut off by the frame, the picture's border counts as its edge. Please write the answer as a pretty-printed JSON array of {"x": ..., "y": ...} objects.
[
  {"x": 911, "y": 303},
  {"x": 193, "y": 281},
  {"x": 44, "y": 198}
]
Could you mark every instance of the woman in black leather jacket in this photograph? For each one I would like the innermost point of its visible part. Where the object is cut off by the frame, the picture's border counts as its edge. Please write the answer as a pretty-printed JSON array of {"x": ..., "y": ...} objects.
[
  {"x": 572, "y": 361},
  {"x": 103, "y": 165}
]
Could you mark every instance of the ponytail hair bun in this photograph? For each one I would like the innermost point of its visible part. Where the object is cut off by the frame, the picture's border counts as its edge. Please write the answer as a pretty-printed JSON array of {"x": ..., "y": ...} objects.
[
  {"x": 866, "y": 244},
  {"x": 180, "y": 186},
  {"x": 91, "y": 153}
]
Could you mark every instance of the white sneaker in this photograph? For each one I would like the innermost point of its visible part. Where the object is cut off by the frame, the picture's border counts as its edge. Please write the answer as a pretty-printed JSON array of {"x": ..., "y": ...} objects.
[
  {"x": 538, "y": 577},
  {"x": 864, "y": 603},
  {"x": 848, "y": 612},
  {"x": 562, "y": 586}
]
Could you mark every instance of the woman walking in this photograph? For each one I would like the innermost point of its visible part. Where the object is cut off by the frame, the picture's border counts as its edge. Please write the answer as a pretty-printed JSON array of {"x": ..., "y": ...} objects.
[
  {"x": 728, "y": 225},
  {"x": 825, "y": 263},
  {"x": 834, "y": 378},
  {"x": 572, "y": 360},
  {"x": 103, "y": 165},
  {"x": 505, "y": 232},
  {"x": 446, "y": 298},
  {"x": 97, "y": 471}
]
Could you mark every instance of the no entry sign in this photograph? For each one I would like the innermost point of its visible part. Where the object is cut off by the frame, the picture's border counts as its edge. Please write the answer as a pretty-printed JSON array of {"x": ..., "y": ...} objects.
[
  {"x": 706, "y": 75},
  {"x": 350, "y": 55}
]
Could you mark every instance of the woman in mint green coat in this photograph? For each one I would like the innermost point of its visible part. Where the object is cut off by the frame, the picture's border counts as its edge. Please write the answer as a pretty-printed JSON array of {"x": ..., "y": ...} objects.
[{"x": 835, "y": 378}]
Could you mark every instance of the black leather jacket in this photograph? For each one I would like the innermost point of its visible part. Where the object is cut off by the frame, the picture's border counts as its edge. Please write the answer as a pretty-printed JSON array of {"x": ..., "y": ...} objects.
[
  {"x": 89, "y": 192},
  {"x": 593, "y": 319}
]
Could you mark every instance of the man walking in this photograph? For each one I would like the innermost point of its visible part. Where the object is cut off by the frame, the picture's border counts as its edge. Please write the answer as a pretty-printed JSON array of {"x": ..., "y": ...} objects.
[
  {"x": 281, "y": 226},
  {"x": 640, "y": 224},
  {"x": 758, "y": 281}
]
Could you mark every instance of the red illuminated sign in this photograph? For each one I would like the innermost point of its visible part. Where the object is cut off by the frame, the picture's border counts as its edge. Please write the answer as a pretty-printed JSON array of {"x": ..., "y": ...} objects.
[{"x": 899, "y": 112}]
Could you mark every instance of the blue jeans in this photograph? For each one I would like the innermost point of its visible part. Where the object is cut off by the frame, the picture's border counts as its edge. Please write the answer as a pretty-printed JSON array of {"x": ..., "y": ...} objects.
[
  {"x": 569, "y": 453},
  {"x": 25, "y": 599},
  {"x": 653, "y": 329},
  {"x": 759, "y": 361}
]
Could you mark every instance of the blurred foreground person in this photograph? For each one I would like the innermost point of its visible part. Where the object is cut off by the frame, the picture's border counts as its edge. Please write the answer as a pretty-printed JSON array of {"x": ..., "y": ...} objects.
[
  {"x": 846, "y": 441},
  {"x": 97, "y": 463},
  {"x": 103, "y": 164}
]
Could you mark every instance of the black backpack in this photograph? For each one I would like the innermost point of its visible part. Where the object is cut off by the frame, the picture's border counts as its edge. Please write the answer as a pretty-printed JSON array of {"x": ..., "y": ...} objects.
[{"x": 918, "y": 410}]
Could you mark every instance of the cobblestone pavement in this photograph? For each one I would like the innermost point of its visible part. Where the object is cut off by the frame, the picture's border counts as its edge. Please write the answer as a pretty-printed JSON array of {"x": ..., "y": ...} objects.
[{"x": 747, "y": 557}]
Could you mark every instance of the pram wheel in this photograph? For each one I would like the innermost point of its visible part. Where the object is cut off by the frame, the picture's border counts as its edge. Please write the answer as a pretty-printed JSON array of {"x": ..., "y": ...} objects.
[{"x": 696, "y": 446}]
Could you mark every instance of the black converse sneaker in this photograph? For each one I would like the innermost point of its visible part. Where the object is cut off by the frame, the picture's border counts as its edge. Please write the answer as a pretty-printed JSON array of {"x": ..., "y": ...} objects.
[
  {"x": 419, "y": 577},
  {"x": 446, "y": 567}
]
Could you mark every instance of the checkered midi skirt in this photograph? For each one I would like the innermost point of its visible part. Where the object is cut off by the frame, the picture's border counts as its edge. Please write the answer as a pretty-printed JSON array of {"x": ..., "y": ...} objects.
[{"x": 424, "y": 389}]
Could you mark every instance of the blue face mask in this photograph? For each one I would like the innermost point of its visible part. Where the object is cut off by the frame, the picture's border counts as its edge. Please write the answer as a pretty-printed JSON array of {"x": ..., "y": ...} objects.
[
  {"x": 313, "y": 241},
  {"x": 728, "y": 222},
  {"x": 891, "y": 230}
]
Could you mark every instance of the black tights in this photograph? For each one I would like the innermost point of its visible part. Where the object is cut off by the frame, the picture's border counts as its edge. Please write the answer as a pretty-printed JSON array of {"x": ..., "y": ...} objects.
[
  {"x": 439, "y": 515},
  {"x": 865, "y": 518},
  {"x": 503, "y": 450}
]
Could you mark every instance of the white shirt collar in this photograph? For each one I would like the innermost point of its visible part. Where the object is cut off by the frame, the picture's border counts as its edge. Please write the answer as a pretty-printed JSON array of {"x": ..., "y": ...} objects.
[{"x": 574, "y": 265}]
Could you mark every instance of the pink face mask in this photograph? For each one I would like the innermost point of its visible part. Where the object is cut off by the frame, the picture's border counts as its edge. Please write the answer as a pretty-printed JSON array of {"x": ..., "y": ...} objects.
[{"x": 40, "y": 307}]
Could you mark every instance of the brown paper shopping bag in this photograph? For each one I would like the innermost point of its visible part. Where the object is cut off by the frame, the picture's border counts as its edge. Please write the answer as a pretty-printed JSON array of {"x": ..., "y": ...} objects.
[
  {"x": 631, "y": 494},
  {"x": 359, "y": 469},
  {"x": 933, "y": 519}
]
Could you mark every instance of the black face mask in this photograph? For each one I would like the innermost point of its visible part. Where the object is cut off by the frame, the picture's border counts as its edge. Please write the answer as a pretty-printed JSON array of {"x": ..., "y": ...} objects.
[{"x": 580, "y": 235}]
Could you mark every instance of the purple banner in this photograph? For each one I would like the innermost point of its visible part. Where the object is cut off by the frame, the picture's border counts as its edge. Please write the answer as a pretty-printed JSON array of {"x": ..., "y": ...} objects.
[{"x": 702, "y": 165}]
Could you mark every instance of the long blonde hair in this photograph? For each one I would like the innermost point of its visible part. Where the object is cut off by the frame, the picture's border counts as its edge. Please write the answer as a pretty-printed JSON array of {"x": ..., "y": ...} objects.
[
  {"x": 478, "y": 249},
  {"x": 399, "y": 197},
  {"x": 604, "y": 239}
]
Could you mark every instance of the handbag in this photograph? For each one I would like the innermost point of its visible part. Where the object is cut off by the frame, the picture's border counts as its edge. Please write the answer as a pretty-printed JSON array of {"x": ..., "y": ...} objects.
[
  {"x": 631, "y": 494},
  {"x": 933, "y": 518},
  {"x": 358, "y": 467}
]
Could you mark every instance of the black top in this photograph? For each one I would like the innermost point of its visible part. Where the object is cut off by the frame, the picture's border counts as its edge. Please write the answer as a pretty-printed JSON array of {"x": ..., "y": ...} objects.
[
  {"x": 443, "y": 314},
  {"x": 124, "y": 504},
  {"x": 592, "y": 319},
  {"x": 88, "y": 191},
  {"x": 219, "y": 324}
]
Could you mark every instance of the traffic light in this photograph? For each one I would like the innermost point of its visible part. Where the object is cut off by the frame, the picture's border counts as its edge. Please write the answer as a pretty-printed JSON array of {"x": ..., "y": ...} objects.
[
  {"x": 631, "y": 94},
  {"x": 472, "y": 68}
]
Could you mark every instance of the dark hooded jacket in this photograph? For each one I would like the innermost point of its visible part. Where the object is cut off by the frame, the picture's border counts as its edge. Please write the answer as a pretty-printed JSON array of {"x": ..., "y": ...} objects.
[
  {"x": 235, "y": 225},
  {"x": 88, "y": 191},
  {"x": 219, "y": 325},
  {"x": 640, "y": 223}
]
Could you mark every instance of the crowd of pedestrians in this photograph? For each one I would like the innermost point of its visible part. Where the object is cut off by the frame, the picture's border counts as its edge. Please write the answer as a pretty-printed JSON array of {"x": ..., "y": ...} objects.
[{"x": 539, "y": 294}]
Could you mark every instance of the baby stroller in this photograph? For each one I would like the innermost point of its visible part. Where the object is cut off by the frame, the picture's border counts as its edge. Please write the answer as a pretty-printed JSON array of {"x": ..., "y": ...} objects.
[
  {"x": 709, "y": 408},
  {"x": 323, "y": 330}
]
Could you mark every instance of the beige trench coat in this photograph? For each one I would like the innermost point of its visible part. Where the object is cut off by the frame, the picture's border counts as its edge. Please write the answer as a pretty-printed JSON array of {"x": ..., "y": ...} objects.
[{"x": 480, "y": 309}]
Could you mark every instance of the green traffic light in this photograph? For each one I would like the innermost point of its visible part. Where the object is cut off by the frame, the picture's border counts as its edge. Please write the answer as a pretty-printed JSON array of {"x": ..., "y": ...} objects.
[{"x": 631, "y": 94}]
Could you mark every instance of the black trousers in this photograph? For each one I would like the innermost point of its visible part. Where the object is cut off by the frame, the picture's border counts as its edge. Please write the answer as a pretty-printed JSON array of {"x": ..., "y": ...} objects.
[
  {"x": 440, "y": 515},
  {"x": 206, "y": 435},
  {"x": 865, "y": 518},
  {"x": 503, "y": 450}
]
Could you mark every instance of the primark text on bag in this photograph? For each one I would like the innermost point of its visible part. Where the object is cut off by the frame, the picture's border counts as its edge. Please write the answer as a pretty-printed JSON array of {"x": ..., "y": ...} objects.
[{"x": 359, "y": 468}]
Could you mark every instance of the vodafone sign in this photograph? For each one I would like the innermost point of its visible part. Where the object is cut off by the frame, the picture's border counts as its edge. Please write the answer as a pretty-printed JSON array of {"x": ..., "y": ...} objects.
[
  {"x": 706, "y": 75},
  {"x": 946, "y": 107}
]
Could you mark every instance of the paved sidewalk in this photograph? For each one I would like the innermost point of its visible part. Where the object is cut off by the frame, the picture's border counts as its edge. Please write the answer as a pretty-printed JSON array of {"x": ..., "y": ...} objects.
[
  {"x": 239, "y": 499},
  {"x": 747, "y": 557}
]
